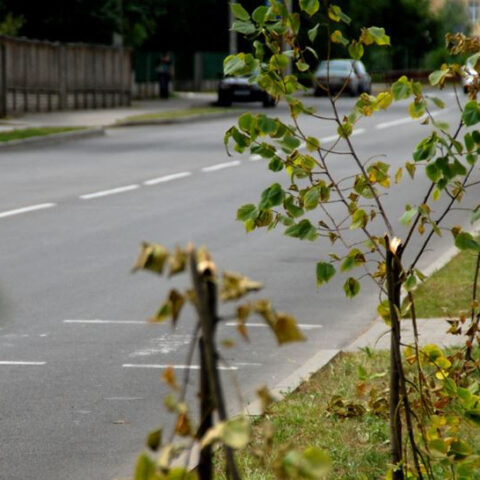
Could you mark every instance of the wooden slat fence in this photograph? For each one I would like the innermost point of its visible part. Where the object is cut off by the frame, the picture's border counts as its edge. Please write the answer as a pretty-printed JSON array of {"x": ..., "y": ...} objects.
[{"x": 44, "y": 76}]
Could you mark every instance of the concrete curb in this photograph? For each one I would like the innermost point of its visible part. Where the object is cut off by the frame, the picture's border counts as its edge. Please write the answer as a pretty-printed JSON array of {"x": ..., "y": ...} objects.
[
  {"x": 54, "y": 138},
  {"x": 173, "y": 121}
]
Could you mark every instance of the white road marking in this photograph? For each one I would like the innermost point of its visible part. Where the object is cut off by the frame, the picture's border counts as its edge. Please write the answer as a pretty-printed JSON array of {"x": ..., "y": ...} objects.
[
  {"x": 31, "y": 208},
  {"x": 220, "y": 166},
  {"x": 106, "y": 322},
  {"x": 7, "y": 363},
  {"x": 402, "y": 121},
  {"x": 304, "y": 326},
  {"x": 332, "y": 138},
  {"x": 176, "y": 367},
  {"x": 255, "y": 158},
  {"x": 111, "y": 399},
  {"x": 112, "y": 191},
  {"x": 167, "y": 178}
]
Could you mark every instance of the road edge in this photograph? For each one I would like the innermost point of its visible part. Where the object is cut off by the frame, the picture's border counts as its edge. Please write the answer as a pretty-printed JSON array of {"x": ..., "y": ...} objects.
[{"x": 54, "y": 138}]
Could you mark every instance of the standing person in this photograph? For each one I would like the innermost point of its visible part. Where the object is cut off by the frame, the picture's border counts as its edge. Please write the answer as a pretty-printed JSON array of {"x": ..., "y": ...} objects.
[{"x": 165, "y": 73}]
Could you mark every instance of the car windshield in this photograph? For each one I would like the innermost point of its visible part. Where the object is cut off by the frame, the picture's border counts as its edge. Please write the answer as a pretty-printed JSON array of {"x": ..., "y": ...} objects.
[{"x": 336, "y": 66}]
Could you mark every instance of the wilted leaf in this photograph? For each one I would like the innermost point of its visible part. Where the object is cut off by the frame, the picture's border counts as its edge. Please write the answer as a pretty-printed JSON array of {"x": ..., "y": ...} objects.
[
  {"x": 169, "y": 378},
  {"x": 265, "y": 397},
  {"x": 177, "y": 262},
  {"x": 236, "y": 433},
  {"x": 152, "y": 257},
  {"x": 154, "y": 440},
  {"x": 235, "y": 286},
  {"x": 351, "y": 287},
  {"x": 183, "y": 426}
]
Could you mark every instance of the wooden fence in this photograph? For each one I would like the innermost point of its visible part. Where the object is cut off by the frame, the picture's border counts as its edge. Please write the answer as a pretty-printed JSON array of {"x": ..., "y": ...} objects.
[{"x": 45, "y": 76}]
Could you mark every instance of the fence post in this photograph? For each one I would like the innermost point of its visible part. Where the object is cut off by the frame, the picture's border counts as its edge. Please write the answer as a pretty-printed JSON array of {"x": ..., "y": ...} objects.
[
  {"x": 3, "y": 80},
  {"x": 197, "y": 71},
  {"x": 62, "y": 77}
]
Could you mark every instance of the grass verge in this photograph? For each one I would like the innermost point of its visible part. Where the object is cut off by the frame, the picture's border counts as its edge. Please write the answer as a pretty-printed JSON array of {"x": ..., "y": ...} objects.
[
  {"x": 20, "y": 134},
  {"x": 448, "y": 291},
  {"x": 357, "y": 446},
  {"x": 174, "y": 114}
]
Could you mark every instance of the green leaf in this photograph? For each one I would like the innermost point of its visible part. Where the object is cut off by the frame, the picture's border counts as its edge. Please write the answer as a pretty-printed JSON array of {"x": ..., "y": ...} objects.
[
  {"x": 355, "y": 50},
  {"x": 313, "y": 144},
  {"x": 311, "y": 198},
  {"x": 145, "y": 468},
  {"x": 336, "y": 14},
  {"x": 410, "y": 282},
  {"x": 471, "y": 113},
  {"x": 359, "y": 219},
  {"x": 374, "y": 35},
  {"x": 239, "y": 12},
  {"x": 465, "y": 241},
  {"x": 475, "y": 214},
  {"x": 313, "y": 32},
  {"x": 303, "y": 230},
  {"x": 247, "y": 212},
  {"x": 351, "y": 287},
  {"x": 383, "y": 309},
  {"x": 279, "y": 61},
  {"x": 417, "y": 109},
  {"x": 233, "y": 64},
  {"x": 437, "y": 101},
  {"x": 309, "y": 6},
  {"x": 437, "y": 77},
  {"x": 272, "y": 196},
  {"x": 354, "y": 259},
  {"x": 302, "y": 66},
  {"x": 275, "y": 164},
  {"x": 260, "y": 14},
  {"x": 292, "y": 209},
  {"x": 246, "y": 121},
  {"x": 236, "y": 433},
  {"x": 267, "y": 125},
  {"x": 407, "y": 217},
  {"x": 325, "y": 271},
  {"x": 433, "y": 172},
  {"x": 246, "y": 28},
  {"x": 402, "y": 88}
]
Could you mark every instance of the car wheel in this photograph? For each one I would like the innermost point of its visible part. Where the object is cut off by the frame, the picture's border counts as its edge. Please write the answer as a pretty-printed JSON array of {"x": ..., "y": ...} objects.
[
  {"x": 224, "y": 100},
  {"x": 317, "y": 92},
  {"x": 353, "y": 91}
]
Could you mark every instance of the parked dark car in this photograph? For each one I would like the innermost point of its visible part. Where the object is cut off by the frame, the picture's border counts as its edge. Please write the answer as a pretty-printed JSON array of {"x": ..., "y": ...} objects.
[
  {"x": 342, "y": 73},
  {"x": 241, "y": 89}
]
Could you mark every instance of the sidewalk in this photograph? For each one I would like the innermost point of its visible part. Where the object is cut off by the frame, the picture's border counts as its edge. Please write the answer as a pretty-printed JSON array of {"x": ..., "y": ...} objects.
[{"x": 108, "y": 116}]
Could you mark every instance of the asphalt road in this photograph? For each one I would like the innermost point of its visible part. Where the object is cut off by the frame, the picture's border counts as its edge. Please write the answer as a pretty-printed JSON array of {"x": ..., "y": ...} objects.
[{"x": 76, "y": 395}]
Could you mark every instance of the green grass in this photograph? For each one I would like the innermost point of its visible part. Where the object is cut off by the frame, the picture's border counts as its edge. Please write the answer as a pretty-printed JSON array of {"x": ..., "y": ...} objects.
[
  {"x": 174, "y": 114},
  {"x": 357, "y": 446},
  {"x": 23, "y": 133},
  {"x": 449, "y": 290}
]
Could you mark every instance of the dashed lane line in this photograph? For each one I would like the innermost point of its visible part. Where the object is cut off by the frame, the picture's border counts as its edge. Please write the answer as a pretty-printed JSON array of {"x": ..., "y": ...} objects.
[
  {"x": 221, "y": 166},
  {"x": 112, "y": 191},
  {"x": 106, "y": 322},
  {"x": 402, "y": 121},
  {"x": 31, "y": 208},
  {"x": 176, "y": 367},
  {"x": 304, "y": 326},
  {"x": 5, "y": 363},
  {"x": 167, "y": 178}
]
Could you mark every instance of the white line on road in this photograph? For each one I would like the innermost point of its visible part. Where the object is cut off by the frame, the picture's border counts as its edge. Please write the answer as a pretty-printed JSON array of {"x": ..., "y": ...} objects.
[
  {"x": 112, "y": 191},
  {"x": 264, "y": 325},
  {"x": 166, "y": 178},
  {"x": 176, "y": 367},
  {"x": 402, "y": 121},
  {"x": 31, "y": 208},
  {"x": 7, "y": 363},
  {"x": 332, "y": 138},
  {"x": 220, "y": 166},
  {"x": 255, "y": 157},
  {"x": 107, "y": 322}
]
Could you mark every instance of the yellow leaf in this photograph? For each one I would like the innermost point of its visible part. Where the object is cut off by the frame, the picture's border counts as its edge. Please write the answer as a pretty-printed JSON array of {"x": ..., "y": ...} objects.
[
  {"x": 183, "y": 426},
  {"x": 286, "y": 330},
  {"x": 152, "y": 257},
  {"x": 398, "y": 175},
  {"x": 177, "y": 262},
  {"x": 169, "y": 378}
]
